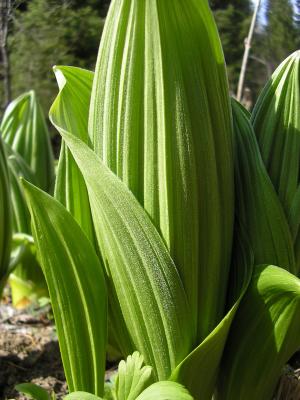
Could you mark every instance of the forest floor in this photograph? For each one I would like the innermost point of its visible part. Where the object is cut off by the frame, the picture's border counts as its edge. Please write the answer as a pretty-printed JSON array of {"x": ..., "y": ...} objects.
[{"x": 29, "y": 352}]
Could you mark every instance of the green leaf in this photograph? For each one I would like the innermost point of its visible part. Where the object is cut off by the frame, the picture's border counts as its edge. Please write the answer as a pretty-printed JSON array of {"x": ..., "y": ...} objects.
[
  {"x": 34, "y": 391},
  {"x": 19, "y": 168},
  {"x": 139, "y": 267},
  {"x": 70, "y": 111},
  {"x": 160, "y": 119},
  {"x": 264, "y": 335},
  {"x": 5, "y": 216},
  {"x": 257, "y": 205},
  {"x": 165, "y": 390},
  {"x": 132, "y": 377},
  {"x": 81, "y": 396},
  {"x": 77, "y": 290},
  {"x": 21, "y": 216},
  {"x": 24, "y": 128},
  {"x": 276, "y": 121},
  {"x": 198, "y": 372}
]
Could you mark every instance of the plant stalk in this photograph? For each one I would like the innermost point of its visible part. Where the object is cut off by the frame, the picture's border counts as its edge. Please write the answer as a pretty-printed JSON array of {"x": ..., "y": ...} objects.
[{"x": 248, "y": 41}]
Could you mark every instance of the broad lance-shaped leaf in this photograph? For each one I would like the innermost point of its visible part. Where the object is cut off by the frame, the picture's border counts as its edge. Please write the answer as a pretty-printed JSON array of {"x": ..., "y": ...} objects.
[
  {"x": 276, "y": 122},
  {"x": 133, "y": 377},
  {"x": 263, "y": 336},
  {"x": 198, "y": 372},
  {"x": 258, "y": 208},
  {"x": 139, "y": 267},
  {"x": 70, "y": 112},
  {"x": 77, "y": 290},
  {"x": 5, "y": 216},
  {"x": 160, "y": 119},
  {"x": 24, "y": 128}
]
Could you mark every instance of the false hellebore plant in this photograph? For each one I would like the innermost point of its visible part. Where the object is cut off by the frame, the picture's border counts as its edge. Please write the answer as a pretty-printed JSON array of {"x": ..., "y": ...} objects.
[
  {"x": 141, "y": 241},
  {"x": 29, "y": 155}
]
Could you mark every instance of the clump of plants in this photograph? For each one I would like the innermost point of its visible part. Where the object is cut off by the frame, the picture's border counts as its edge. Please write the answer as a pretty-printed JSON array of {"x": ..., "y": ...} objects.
[
  {"x": 28, "y": 152},
  {"x": 173, "y": 231}
]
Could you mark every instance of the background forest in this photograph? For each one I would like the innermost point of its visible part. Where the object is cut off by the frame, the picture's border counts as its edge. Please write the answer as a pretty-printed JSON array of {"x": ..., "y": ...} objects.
[{"x": 42, "y": 33}]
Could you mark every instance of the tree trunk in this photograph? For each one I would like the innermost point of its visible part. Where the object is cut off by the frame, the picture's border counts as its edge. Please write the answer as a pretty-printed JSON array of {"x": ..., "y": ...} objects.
[
  {"x": 247, "y": 51},
  {"x": 5, "y": 14}
]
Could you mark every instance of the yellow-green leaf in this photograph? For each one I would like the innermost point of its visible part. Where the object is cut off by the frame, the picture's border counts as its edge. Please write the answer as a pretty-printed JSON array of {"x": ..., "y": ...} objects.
[
  {"x": 133, "y": 377},
  {"x": 263, "y": 336},
  {"x": 24, "y": 128},
  {"x": 140, "y": 270},
  {"x": 70, "y": 111},
  {"x": 160, "y": 119},
  {"x": 77, "y": 290},
  {"x": 276, "y": 122},
  {"x": 258, "y": 207}
]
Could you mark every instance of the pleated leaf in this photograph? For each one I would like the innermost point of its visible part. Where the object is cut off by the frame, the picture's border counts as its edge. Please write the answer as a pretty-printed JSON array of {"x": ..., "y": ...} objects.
[
  {"x": 70, "y": 112},
  {"x": 71, "y": 108},
  {"x": 198, "y": 372},
  {"x": 133, "y": 377},
  {"x": 19, "y": 168},
  {"x": 24, "y": 128},
  {"x": 5, "y": 215},
  {"x": 263, "y": 337},
  {"x": 258, "y": 207},
  {"x": 165, "y": 390},
  {"x": 160, "y": 119},
  {"x": 140, "y": 270},
  {"x": 276, "y": 121},
  {"x": 77, "y": 290}
]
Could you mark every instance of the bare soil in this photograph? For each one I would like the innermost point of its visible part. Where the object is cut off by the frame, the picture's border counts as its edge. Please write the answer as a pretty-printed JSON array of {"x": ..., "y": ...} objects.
[{"x": 29, "y": 351}]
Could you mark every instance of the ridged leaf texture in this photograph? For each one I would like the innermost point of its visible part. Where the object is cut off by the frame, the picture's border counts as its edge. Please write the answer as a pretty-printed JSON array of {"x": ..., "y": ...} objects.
[
  {"x": 198, "y": 372},
  {"x": 263, "y": 337},
  {"x": 276, "y": 121},
  {"x": 19, "y": 168},
  {"x": 139, "y": 267},
  {"x": 24, "y": 128},
  {"x": 71, "y": 108},
  {"x": 258, "y": 207},
  {"x": 5, "y": 215},
  {"x": 77, "y": 288},
  {"x": 133, "y": 377},
  {"x": 70, "y": 112},
  {"x": 160, "y": 119}
]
